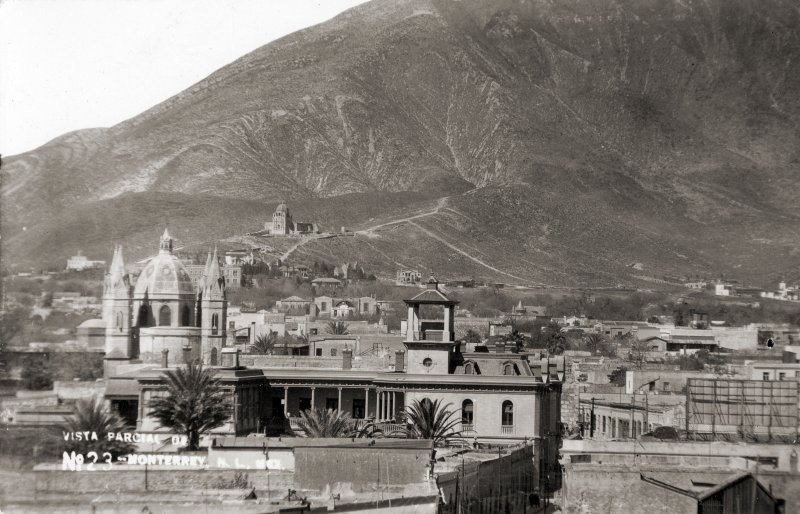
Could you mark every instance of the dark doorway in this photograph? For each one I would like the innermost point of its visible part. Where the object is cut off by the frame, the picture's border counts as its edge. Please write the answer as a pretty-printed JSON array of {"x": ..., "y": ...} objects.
[
  {"x": 358, "y": 409},
  {"x": 144, "y": 318}
]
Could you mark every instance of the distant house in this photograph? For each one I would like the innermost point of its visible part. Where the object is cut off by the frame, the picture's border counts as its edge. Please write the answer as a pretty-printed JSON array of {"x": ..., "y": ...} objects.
[
  {"x": 295, "y": 271},
  {"x": 326, "y": 283},
  {"x": 533, "y": 311},
  {"x": 700, "y": 284},
  {"x": 499, "y": 328},
  {"x": 239, "y": 257},
  {"x": 699, "y": 319},
  {"x": 294, "y": 304},
  {"x": 330, "y": 307},
  {"x": 656, "y": 344},
  {"x": 408, "y": 277},
  {"x": 722, "y": 289},
  {"x": 81, "y": 262}
]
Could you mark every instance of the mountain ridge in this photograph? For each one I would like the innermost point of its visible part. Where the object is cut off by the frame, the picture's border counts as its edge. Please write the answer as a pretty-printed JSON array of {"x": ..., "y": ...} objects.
[{"x": 672, "y": 120}]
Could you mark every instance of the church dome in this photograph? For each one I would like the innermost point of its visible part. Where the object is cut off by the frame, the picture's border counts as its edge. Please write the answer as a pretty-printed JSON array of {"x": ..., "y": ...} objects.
[
  {"x": 282, "y": 208},
  {"x": 164, "y": 274}
]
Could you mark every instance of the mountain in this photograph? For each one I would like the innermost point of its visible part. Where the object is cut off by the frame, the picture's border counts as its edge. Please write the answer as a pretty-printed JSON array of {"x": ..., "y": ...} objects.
[{"x": 575, "y": 142}]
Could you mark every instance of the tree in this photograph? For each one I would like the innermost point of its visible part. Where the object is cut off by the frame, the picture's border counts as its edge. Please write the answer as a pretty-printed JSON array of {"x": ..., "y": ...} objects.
[
  {"x": 593, "y": 341},
  {"x": 93, "y": 416},
  {"x": 557, "y": 343},
  {"x": 264, "y": 343},
  {"x": 638, "y": 353},
  {"x": 337, "y": 328},
  {"x": 84, "y": 366},
  {"x": 472, "y": 338},
  {"x": 325, "y": 423},
  {"x": 333, "y": 423},
  {"x": 431, "y": 420},
  {"x": 36, "y": 375},
  {"x": 195, "y": 403},
  {"x": 617, "y": 377}
]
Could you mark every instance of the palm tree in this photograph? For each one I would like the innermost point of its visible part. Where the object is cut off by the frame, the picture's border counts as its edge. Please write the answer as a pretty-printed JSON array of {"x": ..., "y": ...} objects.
[
  {"x": 264, "y": 343},
  {"x": 557, "y": 343},
  {"x": 195, "y": 403},
  {"x": 93, "y": 416},
  {"x": 431, "y": 420},
  {"x": 333, "y": 423},
  {"x": 593, "y": 341},
  {"x": 337, "y": 328}
]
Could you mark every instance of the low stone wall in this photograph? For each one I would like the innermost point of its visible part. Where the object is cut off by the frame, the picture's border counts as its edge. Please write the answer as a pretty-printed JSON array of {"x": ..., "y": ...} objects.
[
  {"x": 346, "y": 470},
  {"x": 592, "y": 489},
  {"x": 79, "y": 390},
  {"x": 128, "y": 478}
]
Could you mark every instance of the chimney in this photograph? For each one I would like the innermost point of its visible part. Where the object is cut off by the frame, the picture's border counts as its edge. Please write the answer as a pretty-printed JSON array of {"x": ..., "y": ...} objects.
[
  {"x": 347, "y": 359},
  {"x": 236, "y": 359},
  {"x": 500, "y": 347},
  {"x": 399, "y": 361},
  {"x": 164, "y": 359},
  {"x": 187, "y": 354}
]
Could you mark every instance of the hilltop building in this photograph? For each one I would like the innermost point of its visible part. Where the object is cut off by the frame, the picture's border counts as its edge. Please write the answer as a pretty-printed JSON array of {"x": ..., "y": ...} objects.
[
  {"x": 784, "y": 292},
  {"x": 283, "y": 225},
  {"x": 81, "y": 262}
]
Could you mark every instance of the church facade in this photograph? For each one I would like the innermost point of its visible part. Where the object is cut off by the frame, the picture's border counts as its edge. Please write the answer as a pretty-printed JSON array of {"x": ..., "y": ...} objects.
[
  {"x": 283, "y": 225},
  {"x": 162, "y": 309}
]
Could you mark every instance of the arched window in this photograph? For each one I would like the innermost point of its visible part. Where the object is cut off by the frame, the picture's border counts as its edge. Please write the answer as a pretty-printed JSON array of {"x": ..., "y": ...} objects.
[
  {"x": 164, "y": 316},
  {"x": 469, "y": 368},
  {"x": 509, "y": 369},
  {"x": 426, "y": 403},
  {"x": 214, "y": 323},
  {"x": 508, "y": 414},
  {"x": 467, "y": 412},
  {"x": 143, "y": 320},
  {"x": 186, "y": 316},
  {"x": 213, "y": 357}
]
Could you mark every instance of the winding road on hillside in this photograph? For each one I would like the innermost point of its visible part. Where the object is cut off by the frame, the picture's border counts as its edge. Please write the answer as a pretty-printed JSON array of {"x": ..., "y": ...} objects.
[
  {"x": 368, "y": 232},
  {"x": 371, "y": 232}
]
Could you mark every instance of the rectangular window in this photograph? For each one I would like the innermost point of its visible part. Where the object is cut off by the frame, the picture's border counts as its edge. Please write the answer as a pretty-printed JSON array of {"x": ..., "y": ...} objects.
[
  {"x": 781, "y": 376},
  {"x": 323, "y": 306},
  {"x": 765, "y": 376},
  {"x": 333, "y": 352},
  {"x": 319, "y": 352},
  {"x": 666, "y": 386},
  {"x": 604, "y": 424}
]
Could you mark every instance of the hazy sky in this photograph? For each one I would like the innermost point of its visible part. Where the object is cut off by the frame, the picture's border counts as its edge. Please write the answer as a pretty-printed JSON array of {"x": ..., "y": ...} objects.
[{"x": 72, "y": 64}]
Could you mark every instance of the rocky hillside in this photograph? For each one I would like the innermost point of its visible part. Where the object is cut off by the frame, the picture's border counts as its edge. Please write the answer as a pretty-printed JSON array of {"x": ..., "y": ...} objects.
[{"x": 569, "y": 142}]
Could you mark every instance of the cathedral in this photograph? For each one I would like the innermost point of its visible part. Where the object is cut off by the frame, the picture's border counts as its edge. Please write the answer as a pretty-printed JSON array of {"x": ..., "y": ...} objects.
[{"x": 163, "y": 310}]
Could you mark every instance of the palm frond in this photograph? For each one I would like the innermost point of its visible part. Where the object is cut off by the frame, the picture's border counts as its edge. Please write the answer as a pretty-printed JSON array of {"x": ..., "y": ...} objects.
[
  {"x": 194, "y": 405},
  {"x": 431, "y": 420}
]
